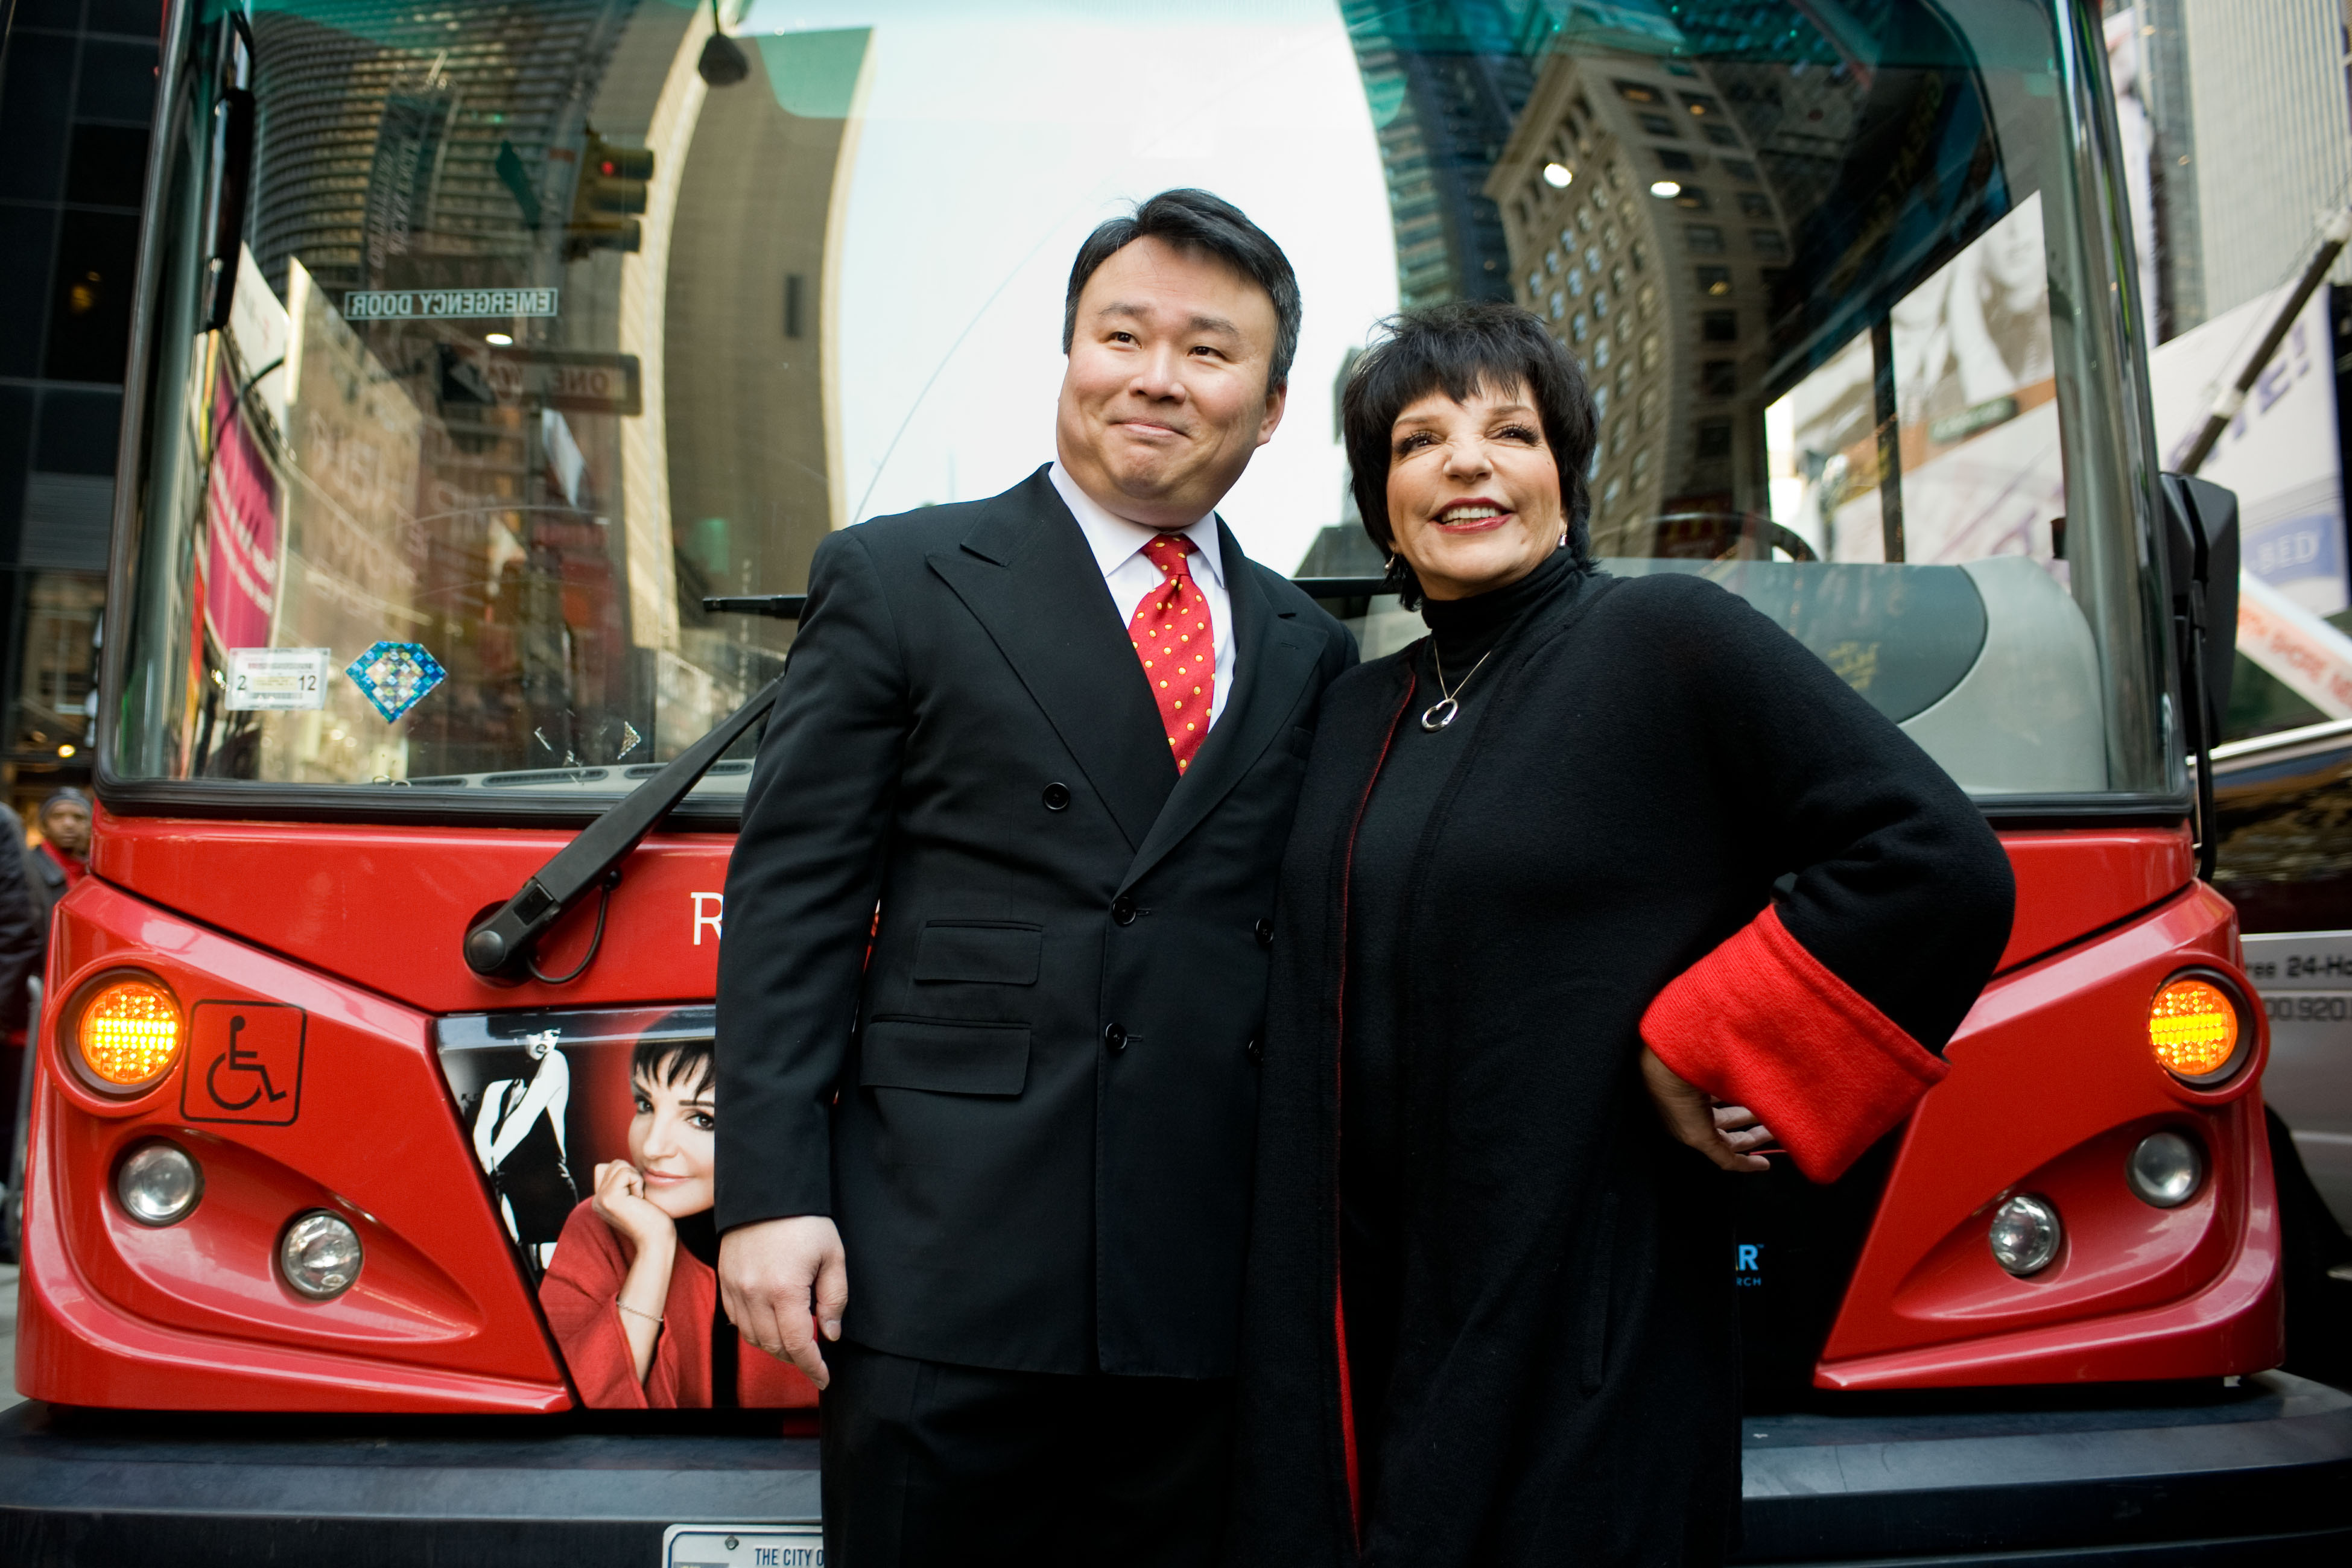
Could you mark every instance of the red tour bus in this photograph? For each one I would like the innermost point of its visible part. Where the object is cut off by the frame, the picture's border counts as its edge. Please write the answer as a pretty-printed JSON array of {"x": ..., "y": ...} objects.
[{"x": 496, "y": 369}]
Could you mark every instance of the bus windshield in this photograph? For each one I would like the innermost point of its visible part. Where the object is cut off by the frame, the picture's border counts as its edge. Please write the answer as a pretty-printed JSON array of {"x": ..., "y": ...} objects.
[{"x": 552, "y": 318}]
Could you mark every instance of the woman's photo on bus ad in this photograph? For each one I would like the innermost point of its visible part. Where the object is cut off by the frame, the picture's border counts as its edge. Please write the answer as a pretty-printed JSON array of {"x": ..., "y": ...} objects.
[{"x": 631, "y": 1291}]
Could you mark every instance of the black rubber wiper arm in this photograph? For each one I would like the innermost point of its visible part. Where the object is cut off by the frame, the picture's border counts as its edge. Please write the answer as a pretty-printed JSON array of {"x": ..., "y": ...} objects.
[{"x": 501, "y": 946}]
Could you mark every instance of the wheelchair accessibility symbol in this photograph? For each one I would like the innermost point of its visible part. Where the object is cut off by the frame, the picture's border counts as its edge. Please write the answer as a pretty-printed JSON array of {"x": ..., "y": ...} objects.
[{"x": 245, "y": 1064}]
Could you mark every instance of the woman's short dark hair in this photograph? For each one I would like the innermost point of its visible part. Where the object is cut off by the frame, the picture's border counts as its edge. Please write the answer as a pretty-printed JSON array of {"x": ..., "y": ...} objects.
[
  {"x": 668, "y": 1060},
  {"x": 1460, "y": 349},
  {"x": 1196, "y": 220}
]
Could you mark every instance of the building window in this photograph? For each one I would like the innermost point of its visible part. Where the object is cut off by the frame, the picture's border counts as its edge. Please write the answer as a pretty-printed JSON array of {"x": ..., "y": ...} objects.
[
  {"x": 1647, "y": 411},
  {"x": 1650, "y": 353},
  {"x": 1617, "y": 278},
  {"x": 1640, "y": 462},
  {"x": 1584, "y": 219},
  {"x": 1753, "y": 205},
  {"x": 1638, "y": 92},
  {"x": 1703, "y": 239},
  {"x": 1567, "y": 241},
  {"x": 796, "y": 304},
  {"x": 1575, "y": 283},
  {"x": 1719, "y": 325},
  {"x": 1638, "y": 256},
  {"x": 1739, "y": 169},
  {"x": 1577, "y": 327},
  {"x": 1658, "y": 125},
  {"x": 1767, "y": 242},
  {"x": 1715, "y": 281},
  {"x": 1718, "y": 377},
  {"x": 1773, "y": 277},
  {"x": 1720, "y": 134},
  {"x": 1600, "y": 352},
  {"x": 1609, "y": 495},
  {"x": 1535, "y": 286},
  {"x": 1700, "y": 105},
  {"x": 1715, "y": 438},
  {"x": 1673, "y": 162},
  {"x": 1600, "y": 402},
  {"x": 1558, "y": 303},
  {"x": 1649, "y": 299},
  {"x": 1593, "y": 258},
  {"x": 1600, "y": 305},
  {"x": 1693, "y": 199},
  {"x": 1551, "y": 261}
]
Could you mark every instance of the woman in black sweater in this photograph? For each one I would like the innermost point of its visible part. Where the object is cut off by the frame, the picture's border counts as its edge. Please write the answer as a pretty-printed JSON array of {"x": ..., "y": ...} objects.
[{"x": 1529, "y": 973}]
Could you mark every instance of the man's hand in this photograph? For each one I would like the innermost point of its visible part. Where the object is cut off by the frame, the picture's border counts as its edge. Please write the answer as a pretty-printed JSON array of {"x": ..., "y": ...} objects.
[
  {"x": 1724, "y": 1134},
  {"x": 770, "y": 1275}
]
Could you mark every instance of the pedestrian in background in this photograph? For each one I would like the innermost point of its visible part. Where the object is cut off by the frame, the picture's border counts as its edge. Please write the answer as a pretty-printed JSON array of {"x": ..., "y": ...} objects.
[{"x": 62, "y": 857}]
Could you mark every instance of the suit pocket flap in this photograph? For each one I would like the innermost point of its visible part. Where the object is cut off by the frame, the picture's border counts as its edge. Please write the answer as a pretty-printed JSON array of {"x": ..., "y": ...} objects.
[
  {"x": 946, "y": 1058},
  {"x": 993, "y": 953}
]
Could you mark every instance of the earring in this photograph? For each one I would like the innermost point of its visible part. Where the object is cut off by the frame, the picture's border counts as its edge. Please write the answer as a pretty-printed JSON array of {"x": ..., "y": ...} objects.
[{"x": 1563, "y": 538}]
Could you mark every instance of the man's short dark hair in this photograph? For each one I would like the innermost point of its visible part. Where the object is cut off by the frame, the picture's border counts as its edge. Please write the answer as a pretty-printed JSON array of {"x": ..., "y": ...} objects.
[
  {"x": 1460, "y": 349},
  {"x": 1196, "y": 221}
]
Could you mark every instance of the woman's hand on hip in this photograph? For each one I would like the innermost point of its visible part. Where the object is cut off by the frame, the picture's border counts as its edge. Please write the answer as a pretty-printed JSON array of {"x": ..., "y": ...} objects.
[{"x": 1724, "y": 1134}]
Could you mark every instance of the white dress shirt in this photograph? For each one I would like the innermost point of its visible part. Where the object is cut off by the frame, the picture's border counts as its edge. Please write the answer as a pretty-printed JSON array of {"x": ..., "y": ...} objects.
[{"x": 1119, "y": 546}]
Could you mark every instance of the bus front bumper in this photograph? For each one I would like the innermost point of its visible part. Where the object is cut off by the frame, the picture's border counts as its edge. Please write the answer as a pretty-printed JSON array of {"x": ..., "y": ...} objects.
[{"x": 2258, "y": 1474}]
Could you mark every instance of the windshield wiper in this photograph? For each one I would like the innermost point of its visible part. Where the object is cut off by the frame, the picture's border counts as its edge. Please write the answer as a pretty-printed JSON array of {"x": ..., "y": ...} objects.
[{"x": 501, "y": 947}]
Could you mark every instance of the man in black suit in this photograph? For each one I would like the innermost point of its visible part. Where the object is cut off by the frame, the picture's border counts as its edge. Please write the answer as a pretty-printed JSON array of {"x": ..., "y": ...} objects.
[{"x": 987, "y": 1186}]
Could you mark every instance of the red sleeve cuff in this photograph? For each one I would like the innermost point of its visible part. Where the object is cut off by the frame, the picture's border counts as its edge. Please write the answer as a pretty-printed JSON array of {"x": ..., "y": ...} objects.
[{"x": 1762, "y": 1023}]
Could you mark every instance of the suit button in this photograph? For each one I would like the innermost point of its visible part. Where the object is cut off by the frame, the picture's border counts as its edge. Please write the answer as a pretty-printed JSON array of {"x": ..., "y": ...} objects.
[
  {"x": 1057, "y": 797},
  {"x": 1255, "y": 1051},
  {"x": 1122, "y": 909},
  {"x": 1263, "y": 932},
  {"x": 1114, "y": 1036}
]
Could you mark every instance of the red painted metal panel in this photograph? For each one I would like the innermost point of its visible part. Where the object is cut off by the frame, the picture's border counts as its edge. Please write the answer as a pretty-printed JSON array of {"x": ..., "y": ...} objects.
[
  {"x": 2053, "y": 1083},
  {"x": 193, "y": 1315},
  {"x": 387, "y": 907},
  {"x": 2072, "y": 881}
]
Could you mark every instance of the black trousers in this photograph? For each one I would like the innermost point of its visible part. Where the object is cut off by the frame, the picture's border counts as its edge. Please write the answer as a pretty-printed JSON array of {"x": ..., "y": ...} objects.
[{"x": 931, "y": 1463}]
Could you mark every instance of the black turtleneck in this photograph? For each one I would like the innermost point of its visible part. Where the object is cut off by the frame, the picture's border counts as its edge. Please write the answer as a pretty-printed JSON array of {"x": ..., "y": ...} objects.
[{"x": 1374, "y": 1048}]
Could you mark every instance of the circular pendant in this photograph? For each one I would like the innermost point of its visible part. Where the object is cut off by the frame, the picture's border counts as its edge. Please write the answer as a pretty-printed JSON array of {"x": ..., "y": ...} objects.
[{"x": 1440, "y": 714}]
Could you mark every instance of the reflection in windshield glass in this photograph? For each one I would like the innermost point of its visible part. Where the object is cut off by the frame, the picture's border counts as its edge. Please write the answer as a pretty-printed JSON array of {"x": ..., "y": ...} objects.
[{"x": 546, "y": 330}]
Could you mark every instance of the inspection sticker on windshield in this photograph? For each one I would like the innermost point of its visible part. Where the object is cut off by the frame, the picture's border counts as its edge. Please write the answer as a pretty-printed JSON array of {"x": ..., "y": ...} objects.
[
  {"x": 278, "y": 679},
  {"x": 743, "y": 1546}
]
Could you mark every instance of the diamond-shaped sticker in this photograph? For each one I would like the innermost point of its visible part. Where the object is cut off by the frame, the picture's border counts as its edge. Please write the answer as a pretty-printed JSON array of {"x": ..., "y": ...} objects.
[{"x": 395, "y": 676}]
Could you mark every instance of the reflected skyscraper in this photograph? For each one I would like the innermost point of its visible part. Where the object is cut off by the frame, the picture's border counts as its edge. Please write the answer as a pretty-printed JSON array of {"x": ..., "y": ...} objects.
[{"x": 1446, "y": 83}]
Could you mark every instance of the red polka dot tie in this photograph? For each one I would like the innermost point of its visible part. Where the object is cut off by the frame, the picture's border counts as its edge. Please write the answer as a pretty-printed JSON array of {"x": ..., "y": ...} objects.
[{"x": 1171, "y": 635}]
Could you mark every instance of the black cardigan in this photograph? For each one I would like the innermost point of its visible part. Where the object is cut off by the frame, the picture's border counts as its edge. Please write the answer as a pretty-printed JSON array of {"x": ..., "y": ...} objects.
[{"x": 1652, "y": 756}]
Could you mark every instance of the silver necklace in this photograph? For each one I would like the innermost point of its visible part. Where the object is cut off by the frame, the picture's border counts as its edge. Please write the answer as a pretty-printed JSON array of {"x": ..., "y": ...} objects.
[{"x": 1447, "y": 708}]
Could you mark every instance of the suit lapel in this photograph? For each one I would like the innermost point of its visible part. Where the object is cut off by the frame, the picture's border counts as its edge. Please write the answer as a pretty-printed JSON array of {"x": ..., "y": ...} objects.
[
  {"x": 1026, "y": 573},
  {"x": 1273, "y": 658}
]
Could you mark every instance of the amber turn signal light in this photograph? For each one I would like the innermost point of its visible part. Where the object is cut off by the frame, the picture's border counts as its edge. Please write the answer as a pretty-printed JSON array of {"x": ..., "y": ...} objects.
[
  {"x": 126, "y": 1032},
  {"x": 2193, "y": 1029}
]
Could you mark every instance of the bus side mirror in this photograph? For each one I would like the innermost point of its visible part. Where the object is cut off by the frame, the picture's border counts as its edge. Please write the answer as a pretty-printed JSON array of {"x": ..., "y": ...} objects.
[{"x": 2201, "y": 542}]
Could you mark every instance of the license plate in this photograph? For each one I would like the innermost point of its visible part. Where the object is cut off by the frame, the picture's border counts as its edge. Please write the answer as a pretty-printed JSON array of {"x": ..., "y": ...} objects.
[{"x": 743, "y": 1546}]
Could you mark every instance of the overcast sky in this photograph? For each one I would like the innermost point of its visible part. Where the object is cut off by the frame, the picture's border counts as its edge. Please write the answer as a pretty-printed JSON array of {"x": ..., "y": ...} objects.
[{"x": 996, "y": 136}]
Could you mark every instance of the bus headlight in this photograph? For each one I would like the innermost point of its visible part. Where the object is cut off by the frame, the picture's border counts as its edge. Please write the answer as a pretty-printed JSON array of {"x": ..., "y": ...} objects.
[
  {"x": 2194, "y": 1029},
  {"x": 320, "y": 1255},
  {"x": 2165, "y": 1170},
  {"x": 2025, "y": 1234},
  {"x": 159, "y": 1184},
  {"x": 125, "y": 1032}
]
